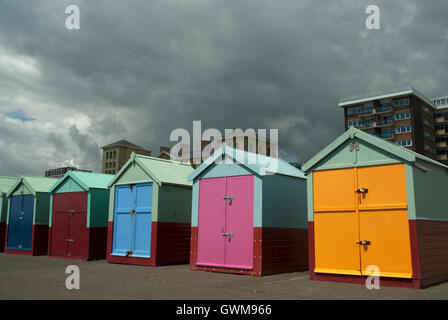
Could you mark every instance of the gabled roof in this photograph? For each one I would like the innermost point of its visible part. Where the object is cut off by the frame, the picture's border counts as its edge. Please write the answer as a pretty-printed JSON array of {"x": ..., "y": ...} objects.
[
  {"x": 87, "y": 180},
  {"x": 34, "y": 184},
  {"x": 122, "y": 143},
  {"x": 6, "y": 183},
  {"x": 400, "y": 152},
  {"x": 160, "y": 170},
  {"x": 257, "y": 163}
]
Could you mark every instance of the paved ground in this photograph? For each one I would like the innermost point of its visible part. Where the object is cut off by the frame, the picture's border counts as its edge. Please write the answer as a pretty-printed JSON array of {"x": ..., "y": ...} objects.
[{"x": 23, "y": 277}]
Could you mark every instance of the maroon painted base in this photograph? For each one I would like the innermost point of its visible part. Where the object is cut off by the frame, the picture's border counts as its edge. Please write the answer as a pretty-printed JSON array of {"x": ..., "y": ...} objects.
[
  {"x": 2, "y": 236},
  {"x": 275, "y": 250},
  {"x": 39, "y": 242},
  {"x": 387, "y": 282},
  {"x": 169, "y": 245}
]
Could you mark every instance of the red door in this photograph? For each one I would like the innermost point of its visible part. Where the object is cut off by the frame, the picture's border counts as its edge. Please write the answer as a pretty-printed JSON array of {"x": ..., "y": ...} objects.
[
  {"x": 69, "y": 226},
  {"x": 225, "y": 222}
]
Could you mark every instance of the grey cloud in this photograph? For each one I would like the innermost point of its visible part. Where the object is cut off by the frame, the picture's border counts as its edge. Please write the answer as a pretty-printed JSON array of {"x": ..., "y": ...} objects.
[{"x": 140, "y": 69}]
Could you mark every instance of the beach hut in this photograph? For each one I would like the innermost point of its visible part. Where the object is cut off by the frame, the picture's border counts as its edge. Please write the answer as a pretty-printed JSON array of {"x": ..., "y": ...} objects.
[
  {"x": 150, "y": 212},
  {"x": 28, "y": 216},
  {"x": 78, "y": 220},
  {"x": 248, "y": 215},
  {"x": 376, "y": 208},
  {"x": 5, "y": 184}
]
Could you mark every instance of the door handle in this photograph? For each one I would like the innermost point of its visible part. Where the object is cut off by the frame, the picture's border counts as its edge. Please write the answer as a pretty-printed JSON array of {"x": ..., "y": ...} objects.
[
  {"x": 70, "y": 240},
  {"x": 362, "y": 190},
  {"x": 229, "y": 198},
  {"x": 228, "y": 235},
  {"x": 364, "y": 243},
  {"x": 132, "y": 211}
]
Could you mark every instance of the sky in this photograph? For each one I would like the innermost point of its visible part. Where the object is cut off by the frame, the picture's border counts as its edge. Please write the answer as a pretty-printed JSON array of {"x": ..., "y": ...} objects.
[{"x": 137, "y": 70}]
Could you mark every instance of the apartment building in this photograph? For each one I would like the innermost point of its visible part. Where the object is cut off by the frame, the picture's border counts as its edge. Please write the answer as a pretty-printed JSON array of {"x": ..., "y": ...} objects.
[
  {"x": 403, "y": 116},
  {"x": 441, "y": 127},
  {"x": 60, "y": 172},
  {"x": 116, "y": 154}
]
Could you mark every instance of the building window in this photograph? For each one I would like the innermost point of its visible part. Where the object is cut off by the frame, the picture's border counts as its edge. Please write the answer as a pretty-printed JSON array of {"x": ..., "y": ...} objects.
[
  {"x": 428, "y": 123},
  {"x": 354, "y": 110},
  {"x": 404, "y": 143},
  {"x": 401, "y": 102},
  {"x": 107, "y": 155},
  {"x": 114, "y": 165},
  {"x": 115, "y": 154},
  {"x": 403, "y": 129},
  {"x": 384, "y": 107},
  {"x": 403, "y": 116},
  {"x": 430, "y": 149},
  {"x": 428, "y": 136},
  {"x": 354, "y": 123},
  {"x": 107, "y": 164}
]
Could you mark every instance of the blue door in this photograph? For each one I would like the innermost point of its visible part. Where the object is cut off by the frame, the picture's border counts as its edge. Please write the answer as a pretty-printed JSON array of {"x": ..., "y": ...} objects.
[
  {"x": 132, "y": 220},
  {"x": 20, "y": 224}
]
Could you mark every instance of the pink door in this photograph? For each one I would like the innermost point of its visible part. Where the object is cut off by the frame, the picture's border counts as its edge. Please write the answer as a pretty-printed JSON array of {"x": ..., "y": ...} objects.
[
  {"x": 225, "y": 225},
  {"x": 240, "y": 222}
]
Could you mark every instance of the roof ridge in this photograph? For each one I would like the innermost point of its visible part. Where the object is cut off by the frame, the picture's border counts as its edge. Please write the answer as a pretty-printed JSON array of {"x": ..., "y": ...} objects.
[{"x": 161, "y": 159}]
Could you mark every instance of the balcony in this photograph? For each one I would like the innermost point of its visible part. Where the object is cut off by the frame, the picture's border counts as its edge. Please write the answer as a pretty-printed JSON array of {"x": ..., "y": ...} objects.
[
  {"x": 365, "y": 113},
  {"x": 440, "y": 132},
  {"x": 383, "y": 110},
  {"x": 387, "y": 135},
  {"x": 366, "y": 125},
  {"x": 441, "y": 119},
  {"x": 384, "y": 123},
  {"x": 441, "y": 144},
  {"x": 442, "y": 157}
]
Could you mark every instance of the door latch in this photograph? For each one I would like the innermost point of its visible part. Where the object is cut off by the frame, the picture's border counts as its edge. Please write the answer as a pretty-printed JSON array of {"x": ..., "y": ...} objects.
[
  {"x": 132, "y": 211},
  {"x": 229, "y": 198},
  {"x": 362, "y": 190},
  {"x": 128, "y": 253},
  {"x": 364, "y": 243},
  {"x": 70, "y": 240},
  {"x": 228, "y": 235}
]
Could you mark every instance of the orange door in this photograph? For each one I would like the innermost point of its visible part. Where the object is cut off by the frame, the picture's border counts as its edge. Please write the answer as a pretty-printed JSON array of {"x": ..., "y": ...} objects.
[
  {"x": 362, "y": 205},
  {"x": 383, "y": 221},
  {"x": 335, "y": 222}
]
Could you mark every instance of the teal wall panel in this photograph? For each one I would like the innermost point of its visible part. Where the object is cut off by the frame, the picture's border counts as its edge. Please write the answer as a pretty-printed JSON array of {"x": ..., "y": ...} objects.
[
  {"x": 21, "y": 189},
  {"x": 225, "y": 170},
  {"x": 69, "y": 185},
  {"x": 310, "y": 196},
  {"x": 98, "y": 207},
  {"x": 284, "y": 202},
  {"x": 174, "y": 204},
  {"x": 42, "y": 208},
  {"x": 195, "y": 204},
  {"x": 3, "y": 208},
  {"x": 367, "y": 155},
  {"x": 431, "y": 192}
]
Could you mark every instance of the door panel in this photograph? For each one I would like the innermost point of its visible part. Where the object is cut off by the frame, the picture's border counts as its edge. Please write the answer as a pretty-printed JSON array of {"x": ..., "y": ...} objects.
[
  {"x": 124, "y": 203},
  {"x": 333, "y": 190},
  {"x": 390, "y": 247},
  {"x": 26, "y": 223},
  {"x": 335, "y": 237},
  {"x": 59, "y": 226},
  {"x": 379, "y": 215},
  {"x": 211, "y": 222},
  {"x": 239, "y": 222},
  {"x": 335, "y": 222},
  {"x": 14, "y": 229},
  {"x": 386, "y": 187},
  {"x": 142, "y": 221},
  {"x": 78, "y": 245}
]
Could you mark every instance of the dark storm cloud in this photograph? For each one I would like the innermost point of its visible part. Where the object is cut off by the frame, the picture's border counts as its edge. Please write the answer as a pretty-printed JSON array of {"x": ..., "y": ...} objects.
[{"x": 139, "y": 69}]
